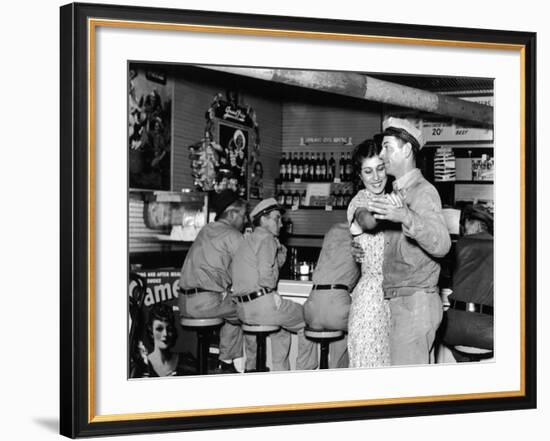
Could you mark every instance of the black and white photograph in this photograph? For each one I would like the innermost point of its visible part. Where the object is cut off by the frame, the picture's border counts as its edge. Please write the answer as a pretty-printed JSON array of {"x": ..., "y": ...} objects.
[{"x": 299, "y": 220}]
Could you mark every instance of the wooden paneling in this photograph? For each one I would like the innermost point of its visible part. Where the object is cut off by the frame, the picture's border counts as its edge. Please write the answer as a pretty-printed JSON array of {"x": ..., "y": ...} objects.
[
  {"x": 194, "y": 91},
  {"x": 268, "y": 109},
  {"x": 284, "y": 115},
  {"x": 474, "y": 192},
  {"x": 327, "y": 117},
  {"x": 324, "y": 115},
  {"x": 315, "y": 222},
  {"x": 191, "y": 101}
]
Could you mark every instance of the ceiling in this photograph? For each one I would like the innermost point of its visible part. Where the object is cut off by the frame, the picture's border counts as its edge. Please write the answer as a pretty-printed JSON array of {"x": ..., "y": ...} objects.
[{"x": 448, "y": 85}]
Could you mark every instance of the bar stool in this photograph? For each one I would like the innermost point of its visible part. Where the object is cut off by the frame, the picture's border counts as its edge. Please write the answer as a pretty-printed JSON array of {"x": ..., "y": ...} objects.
[
  {"x": 261, "y": 332},
  {"x": 324, "y": 337},
  {"x": 203, "y": 327},
  {"x": 472, "y": 353}
]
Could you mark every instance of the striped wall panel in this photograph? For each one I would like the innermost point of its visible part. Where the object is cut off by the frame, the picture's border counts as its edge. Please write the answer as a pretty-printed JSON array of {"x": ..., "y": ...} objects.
[
  {"x": 317, "y": 119},
  {"x": 314, "y": 222},
  {"x": 269, "y": 115},
  {"x": 193, "y": 94},
  {"x": 191, "y": 101},
  {"x": 284, "y": 116},
  {"x": 323, "y": 115}
]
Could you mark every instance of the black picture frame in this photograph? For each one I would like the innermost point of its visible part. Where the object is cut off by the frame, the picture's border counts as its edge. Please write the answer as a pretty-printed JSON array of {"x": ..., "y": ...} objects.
[{"x": 77, "y": 417}]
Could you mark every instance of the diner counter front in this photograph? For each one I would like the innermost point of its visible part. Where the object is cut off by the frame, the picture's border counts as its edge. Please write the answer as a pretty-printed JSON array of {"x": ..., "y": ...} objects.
[{"x": 162, "y": 286}]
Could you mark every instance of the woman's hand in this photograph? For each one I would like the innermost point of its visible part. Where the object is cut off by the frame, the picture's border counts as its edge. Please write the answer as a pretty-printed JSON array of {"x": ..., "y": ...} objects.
[{"x": 365, "y": 219}]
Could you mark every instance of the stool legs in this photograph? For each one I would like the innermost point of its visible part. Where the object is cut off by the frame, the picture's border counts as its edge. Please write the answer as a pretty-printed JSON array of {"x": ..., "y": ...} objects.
[
  {"x": 324, "y": 337},
  {"x": 324, "y": 355},
  {"x": 261, "y": 352},
  {"x": 203, "y": 349}
]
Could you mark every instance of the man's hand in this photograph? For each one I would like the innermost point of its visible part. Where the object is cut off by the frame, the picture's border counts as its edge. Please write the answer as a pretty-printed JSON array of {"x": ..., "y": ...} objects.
[
  {"x": 391, "y": 208},
  {"x": 396, "y": 199}
]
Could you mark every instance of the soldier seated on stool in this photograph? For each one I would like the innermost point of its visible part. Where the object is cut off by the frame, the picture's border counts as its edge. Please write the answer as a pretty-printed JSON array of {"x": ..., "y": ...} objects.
[
  {"x": 470, "y": 316},
  {"x": 335, "y": 276},
  {"x": 205, "y": 276},
  {"x": 255, "y": 275}
]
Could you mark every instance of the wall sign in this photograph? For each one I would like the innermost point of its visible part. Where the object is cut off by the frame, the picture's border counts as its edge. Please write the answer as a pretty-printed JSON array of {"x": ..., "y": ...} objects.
[
  {"x": 333, "y": 140},
  {"x": 449, "y": 131}
]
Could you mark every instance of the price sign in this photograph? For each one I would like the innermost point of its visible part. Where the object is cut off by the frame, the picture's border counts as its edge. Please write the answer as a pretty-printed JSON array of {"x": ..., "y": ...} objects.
[{"x": 446, "y": 131}]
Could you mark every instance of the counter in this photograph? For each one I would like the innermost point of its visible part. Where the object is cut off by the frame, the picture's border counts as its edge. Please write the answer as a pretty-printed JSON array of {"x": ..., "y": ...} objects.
[{"x": 295, "y": 290}]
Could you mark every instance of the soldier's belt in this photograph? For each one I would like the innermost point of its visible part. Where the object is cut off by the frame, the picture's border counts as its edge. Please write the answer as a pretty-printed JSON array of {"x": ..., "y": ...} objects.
[
  {"x": 251, "y": 296},
  {"x": 472, "y": 307}
]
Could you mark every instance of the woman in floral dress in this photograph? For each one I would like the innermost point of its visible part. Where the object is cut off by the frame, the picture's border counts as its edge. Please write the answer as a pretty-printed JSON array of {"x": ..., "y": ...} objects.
[{"x": 369, "y": 317}]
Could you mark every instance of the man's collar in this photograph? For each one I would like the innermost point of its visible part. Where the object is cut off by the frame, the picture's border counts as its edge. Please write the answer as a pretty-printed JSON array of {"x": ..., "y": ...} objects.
[
  {"x": 226, "y": 223},
  {"x": 407, "y": 179},
  {"x": 262, "y": 231}
]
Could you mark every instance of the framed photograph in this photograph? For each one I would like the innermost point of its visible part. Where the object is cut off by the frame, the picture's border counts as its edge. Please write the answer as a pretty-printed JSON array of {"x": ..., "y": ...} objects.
[{"x": 165, "y": 112}]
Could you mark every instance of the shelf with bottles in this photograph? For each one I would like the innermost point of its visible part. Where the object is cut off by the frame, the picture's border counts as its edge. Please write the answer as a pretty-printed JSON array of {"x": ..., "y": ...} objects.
[
  {"x": 482, "y": 182},
  {"x": 315, "y": 167},
  {"x": 327, "y": 207},
  {"x": 452, "y": 165},
  {"x": 457, "y": 164},
  {"x": 295, "y": 196},
  {"x": 300, "y": 263},
  {"x": 279, "y": 181}
]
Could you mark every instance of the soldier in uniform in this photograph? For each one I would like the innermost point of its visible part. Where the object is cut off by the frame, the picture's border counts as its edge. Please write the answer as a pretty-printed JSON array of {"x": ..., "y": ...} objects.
[
  {"x": 335, "y": 276},
  {"x": 469, "y": 327},
  {"x": 205, "y": 277},
  {"x": 255, "y": 274}
]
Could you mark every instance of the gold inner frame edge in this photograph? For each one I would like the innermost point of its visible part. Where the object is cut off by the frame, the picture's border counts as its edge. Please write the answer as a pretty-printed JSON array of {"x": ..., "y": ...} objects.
[{"x": 262, "y": 32}]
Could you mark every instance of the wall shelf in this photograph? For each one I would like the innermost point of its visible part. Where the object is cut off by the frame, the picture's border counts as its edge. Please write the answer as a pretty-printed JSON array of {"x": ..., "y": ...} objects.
[
  {"x": 279, "y": 181},
  {"x": 307, "y": 207},
  {"x": 465, "y": 182}
]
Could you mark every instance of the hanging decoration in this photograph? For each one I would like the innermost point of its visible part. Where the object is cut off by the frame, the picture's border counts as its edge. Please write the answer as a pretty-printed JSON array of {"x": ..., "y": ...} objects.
[{"x": 221, "y": 159}]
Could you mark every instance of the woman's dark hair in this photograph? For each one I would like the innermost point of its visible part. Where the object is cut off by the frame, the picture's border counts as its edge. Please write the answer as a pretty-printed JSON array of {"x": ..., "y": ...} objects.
[
  {"x": 367, "y": 149},
  {"x": 161, "y": 312}
]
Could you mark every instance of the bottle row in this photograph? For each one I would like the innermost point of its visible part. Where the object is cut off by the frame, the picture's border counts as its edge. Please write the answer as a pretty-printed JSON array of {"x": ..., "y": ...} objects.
[
  {"x": 314, "y": 167},
  {"x": 483, "y": 169},
  {"x": 300, "y": 270},
  {"x": 337, "y": 199}
]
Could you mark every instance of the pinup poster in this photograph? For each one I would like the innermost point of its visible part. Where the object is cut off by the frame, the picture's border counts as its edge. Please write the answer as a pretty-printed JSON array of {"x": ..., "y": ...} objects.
[{"x": 149, "y": 128}]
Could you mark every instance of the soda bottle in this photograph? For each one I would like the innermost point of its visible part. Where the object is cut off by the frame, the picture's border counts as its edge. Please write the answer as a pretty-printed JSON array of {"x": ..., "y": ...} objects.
[{"x": 331, "y": 168}]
